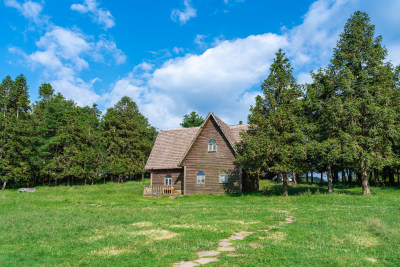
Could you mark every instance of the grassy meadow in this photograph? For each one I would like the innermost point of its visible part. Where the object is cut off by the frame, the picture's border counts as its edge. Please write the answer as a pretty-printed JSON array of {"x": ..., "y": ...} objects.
[{"x": 113, "y": 224}]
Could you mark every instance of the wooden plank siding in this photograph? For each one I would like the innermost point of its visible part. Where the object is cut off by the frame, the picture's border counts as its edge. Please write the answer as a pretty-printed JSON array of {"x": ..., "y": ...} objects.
[
  {"x": 158, "y": 178},
  {"x": 211, "y": 163}
]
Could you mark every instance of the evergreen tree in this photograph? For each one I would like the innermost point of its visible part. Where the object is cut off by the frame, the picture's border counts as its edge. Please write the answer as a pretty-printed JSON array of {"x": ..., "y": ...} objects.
[
  {"x": 16, "y": 135},
  {"x": 128, "y": 139},
  {"x": 277, "y": 126},
  {"x": 192, "y": 120},
  {"x": 366, "y": 85},
  {"x": 325, "y": 106}
]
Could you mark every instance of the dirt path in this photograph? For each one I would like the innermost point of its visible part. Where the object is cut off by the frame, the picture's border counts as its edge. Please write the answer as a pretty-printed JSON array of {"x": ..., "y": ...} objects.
[{"x": 226, "y": 245}]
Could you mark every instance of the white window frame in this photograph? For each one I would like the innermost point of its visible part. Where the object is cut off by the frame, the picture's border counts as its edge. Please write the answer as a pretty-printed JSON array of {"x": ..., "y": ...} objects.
[
  {"x": 212, "y": 145},
  {"x": 168, "y": 179},
  {"x": 223, "y": 177},
  {"x": 201, "y": 178}
]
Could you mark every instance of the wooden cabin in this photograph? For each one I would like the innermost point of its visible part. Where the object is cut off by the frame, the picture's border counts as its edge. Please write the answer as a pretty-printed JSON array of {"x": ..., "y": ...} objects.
[{"x": 196, "y": 160}]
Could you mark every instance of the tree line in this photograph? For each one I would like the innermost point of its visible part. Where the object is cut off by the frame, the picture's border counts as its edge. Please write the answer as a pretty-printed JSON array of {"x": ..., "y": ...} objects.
[
  {"x": 345, "y": 121},
  {"x": 55, "y": 141}
]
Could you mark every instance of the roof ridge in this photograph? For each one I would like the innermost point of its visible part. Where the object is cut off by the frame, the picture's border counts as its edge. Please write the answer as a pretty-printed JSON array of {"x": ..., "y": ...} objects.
[{"x": 175, "y": 129}]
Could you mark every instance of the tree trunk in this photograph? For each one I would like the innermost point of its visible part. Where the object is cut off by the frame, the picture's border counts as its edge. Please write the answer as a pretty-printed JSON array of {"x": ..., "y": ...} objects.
[
  {"x": 350, "y": 177},
  {"x": 312, "y": 176},
  {"x": 294, "y": 178},
  {"x": 384, "y": 174},
  {"x": 322, "y": 178},
  {"x": 398, "y": 175},
  {"x": 359, "y": 177},
  {"x": 336, "y": 175},
  {"x": 364, "y": 179},
  {"x": 104, "y": 179},
  {"x": 92, "y": 181},
  {"x": 4, "y": 185},
  {"x": 391, "y": 176},
  {"x": 285, "y": 184},
  {"x": 68, "y": 181},
  {"x": 257, "y": 185},
  {"x": 330, "y": 180},
  {"x": 376, "y": 177},
  {"x": 142, "y": 176},
  {"x": 307, "y": 177},
  {"x": 343, "y": 176}
]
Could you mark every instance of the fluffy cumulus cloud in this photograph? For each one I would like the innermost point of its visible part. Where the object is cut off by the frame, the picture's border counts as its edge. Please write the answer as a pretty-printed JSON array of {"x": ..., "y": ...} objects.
[
  {"x": 99, "y": 15},
  {"x": 62, "y": 53},
  {"x": 184, "y": 15},
  {"x": 219, "y": 80}
]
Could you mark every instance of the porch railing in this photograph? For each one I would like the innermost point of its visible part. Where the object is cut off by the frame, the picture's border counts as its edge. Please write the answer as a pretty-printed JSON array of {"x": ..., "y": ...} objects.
[{"x": 158, "y": 190}]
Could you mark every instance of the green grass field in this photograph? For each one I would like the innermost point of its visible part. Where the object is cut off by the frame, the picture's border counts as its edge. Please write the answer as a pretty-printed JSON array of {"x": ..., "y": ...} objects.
[{"x": 113, "y": 224}]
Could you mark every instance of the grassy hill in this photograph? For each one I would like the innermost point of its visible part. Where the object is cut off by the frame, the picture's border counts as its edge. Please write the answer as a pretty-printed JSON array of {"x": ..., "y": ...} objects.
[{"x": 113, "y": 224}]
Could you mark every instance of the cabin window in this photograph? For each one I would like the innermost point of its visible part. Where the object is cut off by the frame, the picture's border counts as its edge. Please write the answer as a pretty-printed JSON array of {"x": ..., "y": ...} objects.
[
  {"x": 212, "y": 145},
  {"x": 168, "y": 179},
  {"x": 201, "y": 178},
  {"x": 223, "y": 177}
]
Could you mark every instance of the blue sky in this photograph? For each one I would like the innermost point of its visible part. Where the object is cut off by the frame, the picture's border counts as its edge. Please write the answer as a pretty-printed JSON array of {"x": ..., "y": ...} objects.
[{"x": 175, "y": 56}]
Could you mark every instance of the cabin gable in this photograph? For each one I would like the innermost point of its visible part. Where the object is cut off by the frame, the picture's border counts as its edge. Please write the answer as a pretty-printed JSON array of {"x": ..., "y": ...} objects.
[{"x": 199, "y": 159}]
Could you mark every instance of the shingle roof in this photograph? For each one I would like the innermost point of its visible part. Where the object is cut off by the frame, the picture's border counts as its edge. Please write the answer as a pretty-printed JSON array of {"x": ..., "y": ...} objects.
[
  {"x": 171, "y": 146},
  {"x": 236, "y": 129}
]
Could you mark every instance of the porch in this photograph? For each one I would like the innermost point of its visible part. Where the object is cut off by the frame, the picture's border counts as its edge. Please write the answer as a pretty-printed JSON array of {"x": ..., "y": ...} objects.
[{"x": 160, "y": 190}]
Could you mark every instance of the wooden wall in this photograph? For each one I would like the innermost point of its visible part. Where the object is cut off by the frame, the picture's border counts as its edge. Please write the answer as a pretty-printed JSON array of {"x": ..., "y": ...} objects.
[
  {"x": 158, "y": 177},
  {"x": 211, "y": 163}
]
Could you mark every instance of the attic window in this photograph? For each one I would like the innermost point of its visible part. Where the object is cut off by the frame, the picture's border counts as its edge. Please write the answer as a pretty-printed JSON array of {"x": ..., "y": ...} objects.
[
  {"x": 201, "y": 178},
  {"x": 223, "y": 177},
  {"x": 168, "y": 179},
  {"x": 212, "y": 145}
]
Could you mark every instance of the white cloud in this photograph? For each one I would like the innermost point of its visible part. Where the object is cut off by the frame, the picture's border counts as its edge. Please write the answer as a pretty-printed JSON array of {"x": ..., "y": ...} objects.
[
  {"x": 105, "y": 46},
  {"x": 304, "y": 78},
  {"x": 65, "y": 44},
  {"x": 30, "y": 10},
  {"x": 199, "y": 41},
  {"x": 178, "y": 50},
  {"x": 218, "y": 80},
  {"x": 184, "y": 15},
  {"x": 99, "y": 15},
  {"x": 62, "y": 53},
  {"x": 76, "y": 89},
  {"x": 235, "y": 1}
]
